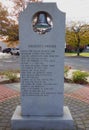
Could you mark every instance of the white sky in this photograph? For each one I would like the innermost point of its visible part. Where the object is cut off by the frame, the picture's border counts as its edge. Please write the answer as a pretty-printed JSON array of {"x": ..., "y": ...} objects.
[{"x": 76, "y": 10}]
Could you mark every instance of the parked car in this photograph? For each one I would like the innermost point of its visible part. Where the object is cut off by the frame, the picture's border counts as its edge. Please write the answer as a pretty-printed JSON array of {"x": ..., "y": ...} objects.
[
  {"x": 6, "y": 50},
  {"x": 15, "y": 51}
]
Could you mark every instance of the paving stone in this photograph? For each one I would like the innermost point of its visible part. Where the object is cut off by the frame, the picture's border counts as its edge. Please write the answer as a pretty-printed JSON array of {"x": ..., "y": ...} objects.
[
  {"x": 87, "y": 128},
  {"x": 87, "y": 125},
  {"x": 81, "y": 126},
  {"x": 1, "y": 128},
  {"x": 79, "y": 110},
  {"x": 79, "y": 122},
  {"x": 8, "y": 129}
]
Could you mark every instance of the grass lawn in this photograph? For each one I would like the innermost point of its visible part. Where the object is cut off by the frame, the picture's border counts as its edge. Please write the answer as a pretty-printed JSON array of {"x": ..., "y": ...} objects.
[
  {"x": 85, "y": 54},
  {"x": 70, "y": 54}
]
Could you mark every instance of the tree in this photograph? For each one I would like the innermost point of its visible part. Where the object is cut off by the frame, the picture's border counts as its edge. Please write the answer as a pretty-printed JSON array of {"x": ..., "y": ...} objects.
[
  {"x": 77, "y": 35},
  {"x": 4, "y": 21},
  {"x": 9, "y": 26},
  {"x": 19, "y": 5},
  {"x": 13, "y": 32}
]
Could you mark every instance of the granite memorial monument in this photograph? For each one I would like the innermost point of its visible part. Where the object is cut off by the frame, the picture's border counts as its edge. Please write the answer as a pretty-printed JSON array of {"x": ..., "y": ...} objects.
[{"x": 42, "y": 41}]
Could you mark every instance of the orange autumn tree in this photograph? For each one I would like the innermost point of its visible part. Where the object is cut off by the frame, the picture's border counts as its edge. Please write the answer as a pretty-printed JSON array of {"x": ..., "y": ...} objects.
[
  {"x": 18, "y": 6},
  {"x": 4, "y": 21}
]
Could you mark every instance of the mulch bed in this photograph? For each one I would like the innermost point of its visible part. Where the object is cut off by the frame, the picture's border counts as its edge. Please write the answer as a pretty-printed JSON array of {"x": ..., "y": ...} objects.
[
  {"x": 10, "y": 81},
  {"x": 18, "y": 80}
]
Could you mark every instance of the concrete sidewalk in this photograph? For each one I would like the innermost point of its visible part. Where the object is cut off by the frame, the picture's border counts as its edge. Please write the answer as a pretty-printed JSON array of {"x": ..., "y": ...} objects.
[{"x": 76, "y": 97}]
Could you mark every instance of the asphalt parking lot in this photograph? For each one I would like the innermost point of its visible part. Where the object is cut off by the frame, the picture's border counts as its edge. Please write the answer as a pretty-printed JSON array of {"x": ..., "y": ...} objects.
[
  {"x": 81, "y": 63},
  {"x": 12, "y": 62},
  {"x": 9, "y": 62}
]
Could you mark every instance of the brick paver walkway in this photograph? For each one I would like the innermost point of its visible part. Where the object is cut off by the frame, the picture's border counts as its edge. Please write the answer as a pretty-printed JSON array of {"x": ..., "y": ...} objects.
[
  {"x": 76, "y": 98},
  {"x": 6, "y": 93},
  {"x": 81, "y": 94}
]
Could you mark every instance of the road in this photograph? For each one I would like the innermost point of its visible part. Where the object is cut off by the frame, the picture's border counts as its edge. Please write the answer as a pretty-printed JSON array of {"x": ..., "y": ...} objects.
[
  {"x": 80, "y": 63},
  {"x": 11, "y": 62}
]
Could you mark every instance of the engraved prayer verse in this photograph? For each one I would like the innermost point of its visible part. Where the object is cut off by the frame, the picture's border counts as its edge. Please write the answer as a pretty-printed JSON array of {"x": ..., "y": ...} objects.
[{"x": 38, "y": 63}]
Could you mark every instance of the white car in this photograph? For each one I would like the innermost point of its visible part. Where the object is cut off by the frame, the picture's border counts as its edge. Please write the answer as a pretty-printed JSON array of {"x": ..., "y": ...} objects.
[{"x": 15, "y": 51}]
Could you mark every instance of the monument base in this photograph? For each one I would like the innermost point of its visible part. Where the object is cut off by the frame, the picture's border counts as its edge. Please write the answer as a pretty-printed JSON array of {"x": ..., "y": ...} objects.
[{"x": 19, "y": 122}]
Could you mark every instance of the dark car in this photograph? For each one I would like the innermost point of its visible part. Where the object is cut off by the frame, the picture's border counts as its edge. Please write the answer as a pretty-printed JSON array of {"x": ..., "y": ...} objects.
[
  {"x": 15, "y": 51},
  {"x": 6, "y": 50}
]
